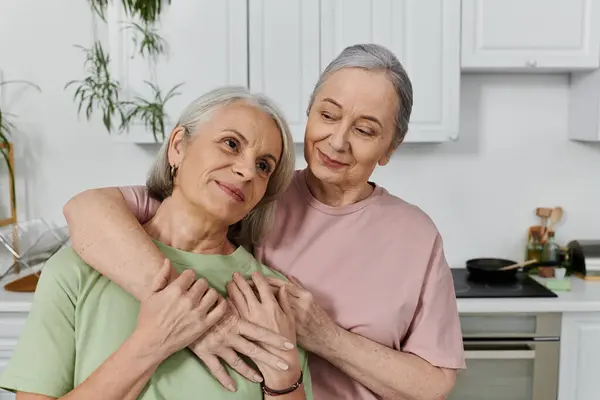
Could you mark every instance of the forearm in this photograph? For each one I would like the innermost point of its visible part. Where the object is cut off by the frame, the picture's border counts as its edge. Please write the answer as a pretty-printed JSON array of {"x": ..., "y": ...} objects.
[
  {"x": 389, "y": 373},
  {"x": 121, "y": 377},
  {"x": 133, "y": 259}
]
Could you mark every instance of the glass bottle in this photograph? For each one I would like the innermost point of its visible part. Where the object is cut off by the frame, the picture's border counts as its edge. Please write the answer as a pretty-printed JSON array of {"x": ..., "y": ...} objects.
[
  {"x": 550, "y": 251},
  {"x": 534, "y": 245}
]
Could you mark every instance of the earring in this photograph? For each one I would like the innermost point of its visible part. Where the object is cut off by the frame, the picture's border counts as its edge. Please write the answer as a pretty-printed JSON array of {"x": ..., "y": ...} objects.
[{"x": 174, "y": 171}]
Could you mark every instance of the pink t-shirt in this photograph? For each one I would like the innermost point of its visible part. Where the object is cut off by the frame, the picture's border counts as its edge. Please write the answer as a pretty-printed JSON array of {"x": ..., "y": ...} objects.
[{"x": 377, "y": 267}]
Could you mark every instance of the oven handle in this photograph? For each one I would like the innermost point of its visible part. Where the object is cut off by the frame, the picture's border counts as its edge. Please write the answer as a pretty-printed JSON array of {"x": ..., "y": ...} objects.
[{"x": 499, "y": 354}]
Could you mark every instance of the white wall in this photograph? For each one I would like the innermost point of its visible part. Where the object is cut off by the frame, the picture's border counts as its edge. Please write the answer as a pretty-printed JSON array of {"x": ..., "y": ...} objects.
[{"x": 513, "y": 153}]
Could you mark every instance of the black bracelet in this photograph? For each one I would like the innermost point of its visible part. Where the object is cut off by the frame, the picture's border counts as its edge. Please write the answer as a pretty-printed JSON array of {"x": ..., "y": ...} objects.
[{"x": 272, "y": 392}]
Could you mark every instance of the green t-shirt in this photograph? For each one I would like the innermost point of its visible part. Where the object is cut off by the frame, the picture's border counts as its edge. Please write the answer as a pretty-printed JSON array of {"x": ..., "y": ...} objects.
[{"x": 80, "y": 317}]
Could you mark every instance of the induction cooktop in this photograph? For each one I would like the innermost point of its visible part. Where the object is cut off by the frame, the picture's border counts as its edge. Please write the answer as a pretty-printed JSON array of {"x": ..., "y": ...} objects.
[{"x": 521, "y": 286}]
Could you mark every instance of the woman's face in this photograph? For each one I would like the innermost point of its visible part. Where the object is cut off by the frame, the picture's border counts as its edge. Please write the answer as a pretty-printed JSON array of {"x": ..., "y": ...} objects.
[
  {"x": 350, "y": 127},
  {"x": 225, "y": 168}
]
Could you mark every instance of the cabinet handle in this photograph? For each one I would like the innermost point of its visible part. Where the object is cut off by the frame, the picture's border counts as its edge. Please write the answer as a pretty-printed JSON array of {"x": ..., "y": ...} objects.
[{"x": 532, "y": 63}]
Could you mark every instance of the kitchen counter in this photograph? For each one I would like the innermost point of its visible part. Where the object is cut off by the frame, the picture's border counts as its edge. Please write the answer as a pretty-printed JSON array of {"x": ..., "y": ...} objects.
[{"x": 583, "y": 297}]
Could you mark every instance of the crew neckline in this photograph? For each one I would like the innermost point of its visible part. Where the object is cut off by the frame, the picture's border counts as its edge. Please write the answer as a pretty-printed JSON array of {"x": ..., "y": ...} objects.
[
  {"x": 240, "y": 258},
  {"x": 300, "y": 182}
]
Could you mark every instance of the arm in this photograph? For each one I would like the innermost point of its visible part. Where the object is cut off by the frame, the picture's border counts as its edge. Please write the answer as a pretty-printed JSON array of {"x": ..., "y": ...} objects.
[
  {"x": 171, "y": 318},
  {"x": 432, "y": 350},
  {"x": 121, "y": 377},
  {"x": 134, "y": 260},
  {"x": 106, "y": 233}
]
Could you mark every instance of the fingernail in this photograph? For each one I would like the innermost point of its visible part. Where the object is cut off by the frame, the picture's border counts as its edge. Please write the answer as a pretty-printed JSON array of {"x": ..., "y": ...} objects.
[
  {"x": 258, "y": 378},
  {"x": 282, "y": 366},
  {"x": 288, "y": 345},
  {"x": 231, "y": 388}
]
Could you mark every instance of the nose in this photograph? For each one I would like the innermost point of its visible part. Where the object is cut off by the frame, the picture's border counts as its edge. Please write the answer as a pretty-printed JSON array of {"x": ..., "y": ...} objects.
[
  {"x": 245, "y": 169},
  {"x": 338, "y": 140}
]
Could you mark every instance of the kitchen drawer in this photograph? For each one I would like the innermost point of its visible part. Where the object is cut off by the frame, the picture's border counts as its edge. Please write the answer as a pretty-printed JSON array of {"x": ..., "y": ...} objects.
[
  {"x": 11, "y": 324},
  {"x": 507, "y": 325}
]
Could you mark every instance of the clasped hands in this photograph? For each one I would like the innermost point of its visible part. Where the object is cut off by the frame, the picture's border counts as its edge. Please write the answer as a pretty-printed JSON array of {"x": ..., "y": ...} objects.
[{"x": 258, "y": 320}]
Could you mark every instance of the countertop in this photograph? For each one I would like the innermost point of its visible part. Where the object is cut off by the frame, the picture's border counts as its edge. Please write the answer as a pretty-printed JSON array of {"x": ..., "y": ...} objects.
[{"x": 583, "y": 297}]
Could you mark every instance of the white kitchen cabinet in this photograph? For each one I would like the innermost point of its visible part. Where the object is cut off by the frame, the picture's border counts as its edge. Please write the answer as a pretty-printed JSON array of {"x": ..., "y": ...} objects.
[
  {"x": 424, "y": 35},
  {"x": 206, "y": 48},
  {"x": 283, "y": 47},
  {"x": 584, "y": 106},
  {"x": 530, "y": 35},
  {"x": 11, "y": 325},
  {"x": 580, "y": 357}
]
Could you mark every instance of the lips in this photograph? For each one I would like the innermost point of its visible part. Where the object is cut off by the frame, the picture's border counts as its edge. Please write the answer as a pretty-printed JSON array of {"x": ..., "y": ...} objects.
[
  {"x": 232, "y": 190},
  {"x": 330, "y": 162}
]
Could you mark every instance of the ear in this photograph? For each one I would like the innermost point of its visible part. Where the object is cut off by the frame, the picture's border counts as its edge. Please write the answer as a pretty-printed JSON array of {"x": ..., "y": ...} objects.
[
  {"x": 386, "y": 157},
  {"x": 176, "y": 149}
]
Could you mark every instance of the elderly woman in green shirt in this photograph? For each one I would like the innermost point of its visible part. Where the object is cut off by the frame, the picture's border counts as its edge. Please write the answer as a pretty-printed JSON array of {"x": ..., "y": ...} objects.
[{"x": 228, "y": 159}]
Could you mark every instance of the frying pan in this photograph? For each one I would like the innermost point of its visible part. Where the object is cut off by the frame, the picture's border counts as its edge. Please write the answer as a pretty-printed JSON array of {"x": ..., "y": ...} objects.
[{"x": 490, "y": 269}]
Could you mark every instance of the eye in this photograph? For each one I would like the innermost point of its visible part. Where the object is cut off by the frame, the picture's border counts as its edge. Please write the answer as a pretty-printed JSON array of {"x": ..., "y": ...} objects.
[
  {"x": 327, "y": 116},
  {"x": 263, "y": 166},
  {"x": 364, "y": 131},
  {"x": 231, "y": 143}
]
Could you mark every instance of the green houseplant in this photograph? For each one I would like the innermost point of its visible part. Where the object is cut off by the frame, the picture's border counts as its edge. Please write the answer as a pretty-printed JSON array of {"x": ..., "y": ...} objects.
[{"x": 100, "y": 92}]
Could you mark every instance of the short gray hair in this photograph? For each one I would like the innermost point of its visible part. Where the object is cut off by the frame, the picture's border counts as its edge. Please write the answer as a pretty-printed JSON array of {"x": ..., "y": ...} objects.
[
  {"x": 253, "y": 227},
  {"x": 375, "y": 57}
]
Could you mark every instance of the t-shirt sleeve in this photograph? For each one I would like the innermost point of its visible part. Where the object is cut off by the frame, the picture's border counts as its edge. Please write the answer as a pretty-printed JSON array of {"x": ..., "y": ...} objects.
[
  {"x": 434, "y": 333},
  {"x": 44, "y": 359},
  {"x": 139, "y": 202}
]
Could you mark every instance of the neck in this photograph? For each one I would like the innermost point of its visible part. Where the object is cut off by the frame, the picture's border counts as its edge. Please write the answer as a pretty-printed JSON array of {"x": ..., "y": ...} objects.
[
  {"x": 336, "y": 195},
  {"x": 180, "y": 225}
]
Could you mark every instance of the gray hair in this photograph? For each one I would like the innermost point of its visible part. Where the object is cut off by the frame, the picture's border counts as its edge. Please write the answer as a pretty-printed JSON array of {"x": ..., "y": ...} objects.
[
  {"x": 253, "y": 227},
  {"x": 375, "y": 57}
]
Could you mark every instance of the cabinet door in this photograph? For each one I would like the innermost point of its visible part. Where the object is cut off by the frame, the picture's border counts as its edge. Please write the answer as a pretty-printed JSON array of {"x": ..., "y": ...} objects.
[
  {"x": 579, "y": 357},
  {"x": 284, "y": 55},
  {"x": 424, "y": 35},
  {"x": 530, "y": 34},
  {"x": 206, "y": 47}
]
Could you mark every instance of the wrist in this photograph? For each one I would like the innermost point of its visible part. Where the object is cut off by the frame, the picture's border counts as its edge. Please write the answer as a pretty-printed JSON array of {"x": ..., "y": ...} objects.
[
  {"x": 280, "y": 380},
  {"x": 145, "y": 349}
]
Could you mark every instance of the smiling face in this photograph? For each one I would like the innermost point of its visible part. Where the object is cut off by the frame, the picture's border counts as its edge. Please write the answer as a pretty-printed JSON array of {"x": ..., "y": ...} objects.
[
  {"x": 225, "y": 167},
  {"x": 350, "y": 127}
]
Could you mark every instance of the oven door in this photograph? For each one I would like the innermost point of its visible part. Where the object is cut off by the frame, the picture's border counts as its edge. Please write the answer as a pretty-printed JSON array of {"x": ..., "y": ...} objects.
[
  {"x": 515, "y": 370},
  {"x": 509, "y": 357}
]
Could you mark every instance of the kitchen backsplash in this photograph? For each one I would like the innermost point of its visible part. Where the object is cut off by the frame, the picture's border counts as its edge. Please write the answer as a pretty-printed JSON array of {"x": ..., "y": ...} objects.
[{"x": 513, "y": 154}]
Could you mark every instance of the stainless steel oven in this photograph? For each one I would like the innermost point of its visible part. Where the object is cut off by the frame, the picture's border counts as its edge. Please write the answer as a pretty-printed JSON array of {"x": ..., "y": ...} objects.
[{"x": 510, "y": 357}]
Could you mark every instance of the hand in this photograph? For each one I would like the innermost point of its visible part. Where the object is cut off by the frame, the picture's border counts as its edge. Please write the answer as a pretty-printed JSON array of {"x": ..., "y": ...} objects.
[
  {"x": 233, "y": 334},
  {"x": 312, "y": 322},
  {"x": 271, "y": 314},
  {"x": 178, "y": 313}
]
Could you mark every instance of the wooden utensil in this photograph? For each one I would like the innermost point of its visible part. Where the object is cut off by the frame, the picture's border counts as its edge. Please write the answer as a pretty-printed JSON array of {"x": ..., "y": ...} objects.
[
  {"x": 518, "y": 265},
  {"x": 555, "y": 217},
  {"x": 544, "y": 213}
]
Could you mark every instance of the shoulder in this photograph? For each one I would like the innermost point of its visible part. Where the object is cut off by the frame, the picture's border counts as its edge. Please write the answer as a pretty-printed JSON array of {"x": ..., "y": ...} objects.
[
  {"x": 66, "y": 269},
  {"x": 396, "y": 211}
]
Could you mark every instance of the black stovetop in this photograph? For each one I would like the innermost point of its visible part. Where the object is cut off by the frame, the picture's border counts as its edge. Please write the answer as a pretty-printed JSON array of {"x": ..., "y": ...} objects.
[{"x": 522, "y": 286}]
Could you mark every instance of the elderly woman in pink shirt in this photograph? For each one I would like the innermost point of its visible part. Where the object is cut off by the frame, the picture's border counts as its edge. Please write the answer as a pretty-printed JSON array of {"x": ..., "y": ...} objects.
[{"x": 371, "y": 289}]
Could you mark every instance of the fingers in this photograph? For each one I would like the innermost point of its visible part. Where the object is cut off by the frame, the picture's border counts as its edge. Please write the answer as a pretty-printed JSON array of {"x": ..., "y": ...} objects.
[
  {"x": 184, "y": 281},
  {"x": 236, "y": 297},
  {"x": 257, "y": 333},
  {"x": 161, "y": 280},
  {"x": 258, "y": 354},
  {"x": 217, "y": 312},
  {"x": 263, "y": 288},
  {"x": 291, "y": 288},
  {"x": 284, "y": 301},
  {"x": 235, "y": 362},
  {"x": 197, "y": 291},
  {"x": 209, "y": 299},
  {"x": 218, "y": 371},
  {"x": 246, "y": 290},
  {"x": 295, "y": 281}
]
